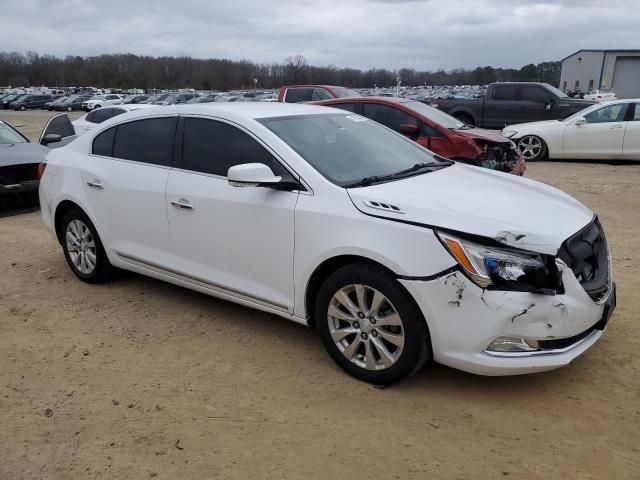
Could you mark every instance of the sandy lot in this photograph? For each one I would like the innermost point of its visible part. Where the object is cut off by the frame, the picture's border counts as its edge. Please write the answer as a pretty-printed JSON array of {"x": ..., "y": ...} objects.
[{"x": 140, "y": 379}]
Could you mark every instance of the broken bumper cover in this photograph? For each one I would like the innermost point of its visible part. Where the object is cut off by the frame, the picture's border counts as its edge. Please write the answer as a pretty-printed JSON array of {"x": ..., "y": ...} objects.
[{"x": 462, "y": 327}]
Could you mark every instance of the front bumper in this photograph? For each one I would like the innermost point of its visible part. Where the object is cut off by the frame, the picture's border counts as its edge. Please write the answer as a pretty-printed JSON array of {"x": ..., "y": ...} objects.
[{"x": 464, "y": 320}]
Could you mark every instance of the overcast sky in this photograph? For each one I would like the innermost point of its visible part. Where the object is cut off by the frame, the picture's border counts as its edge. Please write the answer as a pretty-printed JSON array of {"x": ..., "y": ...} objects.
[{"x": 424, "y": 34}]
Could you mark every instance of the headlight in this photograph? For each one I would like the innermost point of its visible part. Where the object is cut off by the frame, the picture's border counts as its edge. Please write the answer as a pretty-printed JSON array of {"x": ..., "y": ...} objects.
[
  {"x": 504, "y": 268},
  {"x": 509, "y": 133}
]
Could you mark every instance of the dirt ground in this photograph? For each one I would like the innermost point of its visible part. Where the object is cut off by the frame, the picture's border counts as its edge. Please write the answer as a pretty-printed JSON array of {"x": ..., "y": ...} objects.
[{"x": 141, "y": 379}]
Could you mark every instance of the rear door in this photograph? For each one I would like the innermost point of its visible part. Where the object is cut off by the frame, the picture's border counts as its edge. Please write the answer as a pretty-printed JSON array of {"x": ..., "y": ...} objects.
[
  {"x": 239, "y": 239},
  {"x": 58, "y": 125},
  {"x": 125, "y": 178},
  {"x": 631, "y": 145},
  {"x": 501, "y": 107},
  {"x": 601, "y": 137}
]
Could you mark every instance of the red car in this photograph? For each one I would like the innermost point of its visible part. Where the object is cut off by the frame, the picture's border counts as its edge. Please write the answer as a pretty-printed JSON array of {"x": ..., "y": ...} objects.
[
  {"x": 437, "y": 131},
  {"x": 310, "y": 93}
]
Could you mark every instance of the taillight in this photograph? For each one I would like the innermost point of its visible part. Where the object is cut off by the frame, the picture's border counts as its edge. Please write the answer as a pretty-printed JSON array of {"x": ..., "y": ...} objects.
[{"x": 41, "y": 166}]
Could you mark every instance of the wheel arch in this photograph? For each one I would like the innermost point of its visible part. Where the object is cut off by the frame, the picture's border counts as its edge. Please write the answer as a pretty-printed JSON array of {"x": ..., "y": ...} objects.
[
  {"x": 326, "y": 268},
  {"x": 61, "y": 210}
]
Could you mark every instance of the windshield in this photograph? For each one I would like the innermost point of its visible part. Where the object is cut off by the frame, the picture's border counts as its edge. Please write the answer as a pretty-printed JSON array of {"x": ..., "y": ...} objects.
[
  {"x": 348, "y": 148},
  {"x": 341, "y": 92},
  {"x": 9, "y": 136},
  {"x": 556, "y": 91},
  {"x": 435, "y": 115}
]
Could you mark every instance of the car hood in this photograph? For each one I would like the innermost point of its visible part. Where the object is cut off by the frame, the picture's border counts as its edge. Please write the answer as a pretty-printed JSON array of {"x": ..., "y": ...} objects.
[
  {"x": 482, "y": 134},
  {"x": 512, "y": 210},
  {"x": 21, "y": 153},
  {"x": 542, "y": 123}
]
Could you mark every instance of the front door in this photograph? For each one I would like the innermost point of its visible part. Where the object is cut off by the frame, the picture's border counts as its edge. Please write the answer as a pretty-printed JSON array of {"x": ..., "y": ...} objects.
[
  {"x": 631, "y": 147},
  {"x": 238, "y": 240},
  {"x": 600, "y": 137}
]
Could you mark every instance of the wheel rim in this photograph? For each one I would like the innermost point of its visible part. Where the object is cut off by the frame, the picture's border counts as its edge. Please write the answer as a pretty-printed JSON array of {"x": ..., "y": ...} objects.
[
  {"x": 529, "y": 147},
  {"x": 81, "y": 246},
  {"x": 366, "y": 327}
]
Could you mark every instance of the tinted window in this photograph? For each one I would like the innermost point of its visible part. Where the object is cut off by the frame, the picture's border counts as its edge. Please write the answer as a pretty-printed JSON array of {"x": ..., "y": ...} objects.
[
  {"x": 349, "y": 107},
  {"x": 148, "y": 141},
  {"x": 535, "y": 94},
  {"x": 610, "y": 113},
  {"x": 101, "y": 115},
  {"x": 103, "y": 143},
  {"x": 295, "y": 95},
  {"x": 214, "y": 147},
  {"x": 320, "y": 94},
  {"x": 388, "y": 116},
  {"x": 504, "y": 92},
  {"x": 91, "y": 116}
]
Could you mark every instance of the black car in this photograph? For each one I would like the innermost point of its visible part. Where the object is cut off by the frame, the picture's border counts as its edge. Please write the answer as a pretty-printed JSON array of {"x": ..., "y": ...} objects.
[
  {"x": 31, "y": 101},
  {"x": 74, "y": 102},
  {"x": 11, "y": 98}
]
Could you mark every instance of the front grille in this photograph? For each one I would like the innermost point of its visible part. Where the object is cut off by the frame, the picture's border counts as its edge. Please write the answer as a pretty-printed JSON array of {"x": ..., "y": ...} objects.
[
  {"x": 503, "y": 154},
  {"x": 15, "y": 174},
  {"x": 587, "y": 254}
]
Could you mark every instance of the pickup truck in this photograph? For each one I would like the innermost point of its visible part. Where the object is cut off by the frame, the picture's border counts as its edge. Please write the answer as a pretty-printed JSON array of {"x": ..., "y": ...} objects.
[{"x": 512, "y": 102}]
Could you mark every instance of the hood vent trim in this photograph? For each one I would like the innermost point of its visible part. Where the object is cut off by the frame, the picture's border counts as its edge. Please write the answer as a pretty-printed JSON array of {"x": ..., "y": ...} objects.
[{"x": 387, "y": 207}]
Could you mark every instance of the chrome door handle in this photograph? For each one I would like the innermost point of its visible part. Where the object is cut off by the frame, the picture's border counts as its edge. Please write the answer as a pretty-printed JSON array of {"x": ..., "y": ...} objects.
[
  {"x": 182, "y": 203},
  {"x": 95, "y": 184},
  {"x": 615, "y": 126}
]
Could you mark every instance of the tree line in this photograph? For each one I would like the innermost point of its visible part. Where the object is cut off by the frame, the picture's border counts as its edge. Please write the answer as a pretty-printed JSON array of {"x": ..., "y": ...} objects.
[{"x": 126, "y": 71}]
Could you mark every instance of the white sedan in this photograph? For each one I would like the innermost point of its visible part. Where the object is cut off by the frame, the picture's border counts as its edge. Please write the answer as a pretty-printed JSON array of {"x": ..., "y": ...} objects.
[
  {"x": 331, "y": 220},
  {"x": 605, "y": 131},
  {"x": 99, "y": 115}
]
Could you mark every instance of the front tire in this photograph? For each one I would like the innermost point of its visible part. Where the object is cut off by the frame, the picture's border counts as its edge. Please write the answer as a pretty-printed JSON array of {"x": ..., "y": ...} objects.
[
  {"x": 83, "y": 249},
  {"x": 22, "y": 108},
  {"x": 532, "y": 148},
  {"x": 370, "y": 325},
  {"x": 69, "y": 109}
]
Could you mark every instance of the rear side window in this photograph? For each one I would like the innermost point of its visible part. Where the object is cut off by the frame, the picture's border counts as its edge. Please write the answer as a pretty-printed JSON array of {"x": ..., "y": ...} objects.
[
  {"x": 149, "y": 141},
  {"x": 349, "y": 107},
  {"x": 295, "y": 95},
  {"x": 504, "y": 92},
  {"x": 213, "y": 147},
  {"x": 103, "y": 143},
  {"x": 320, "y": 94},
  {"x": 388, "y": 116}
]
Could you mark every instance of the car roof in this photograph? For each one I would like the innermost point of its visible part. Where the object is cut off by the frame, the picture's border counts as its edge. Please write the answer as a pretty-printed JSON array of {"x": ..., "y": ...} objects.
[
  {"x": 253, "y": 110},
  {"x": 395, "y": 100}
]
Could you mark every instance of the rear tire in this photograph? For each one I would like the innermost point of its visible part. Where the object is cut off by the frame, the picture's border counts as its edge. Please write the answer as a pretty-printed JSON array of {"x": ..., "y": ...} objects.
[
  {"x": 465, "y": 118},
  {"x": 83, "y": 249},
  {"x": 69, "y": 109},
  {"x": 370, "y": 325},
  {"x": 22, "y": 108}
]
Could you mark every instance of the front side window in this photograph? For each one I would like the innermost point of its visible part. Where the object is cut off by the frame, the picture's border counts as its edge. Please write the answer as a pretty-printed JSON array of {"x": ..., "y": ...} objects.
[
  {"x": 341, "y": 92},
  {"x": 347, "y": 148},
  {"x": 388, "y": 116},
  {"x": 636, "y": 113},
  {"x": 320, "y": 94},
  {"x": 149, "y": 141},
  {"x": 608, "y": 114},
  {"x": 535, "y": 94},
  {"x": 213, "y": 147}
]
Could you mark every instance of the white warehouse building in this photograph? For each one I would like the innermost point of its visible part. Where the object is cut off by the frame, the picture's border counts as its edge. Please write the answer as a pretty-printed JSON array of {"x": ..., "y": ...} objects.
[{"x": 608, "y": 70}]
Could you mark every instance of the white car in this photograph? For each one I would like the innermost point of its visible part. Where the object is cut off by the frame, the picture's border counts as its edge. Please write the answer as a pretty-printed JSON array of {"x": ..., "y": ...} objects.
[
  {"x": 99, "y": 115},
  {"x": 102, "y": 101},
  {"x": 604, "y": 131},
  {"x": 332, "y": 220},
  {"x": 598, "y": 96}
]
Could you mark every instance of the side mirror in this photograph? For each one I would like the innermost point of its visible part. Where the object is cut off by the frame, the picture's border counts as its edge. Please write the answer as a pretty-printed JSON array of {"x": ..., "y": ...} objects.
[
  {"x": 409, "y": 129},
  {"x": 251, "y": 175},
  {"x": 580, "y": 121},
  {"x": 51, "y": 138}
]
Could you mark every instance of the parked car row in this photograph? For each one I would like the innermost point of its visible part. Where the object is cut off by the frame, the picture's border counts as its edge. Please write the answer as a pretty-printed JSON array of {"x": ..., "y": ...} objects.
[{"x": 401, "y": 256}]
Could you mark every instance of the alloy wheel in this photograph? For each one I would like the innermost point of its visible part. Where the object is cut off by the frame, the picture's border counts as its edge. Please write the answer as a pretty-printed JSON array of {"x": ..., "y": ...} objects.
[
  {"x": 366, "y": 327},
  {"x": 81, "y": 246},
  {"x": 530, "y": 147}
]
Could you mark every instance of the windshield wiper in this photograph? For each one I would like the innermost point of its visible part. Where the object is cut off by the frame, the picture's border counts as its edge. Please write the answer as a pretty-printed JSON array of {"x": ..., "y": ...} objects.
[{"x": 402, "y": 173}]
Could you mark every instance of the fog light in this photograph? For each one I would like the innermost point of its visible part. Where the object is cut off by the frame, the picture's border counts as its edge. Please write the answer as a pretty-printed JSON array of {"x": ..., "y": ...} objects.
[{"x": 512, "y": 344}]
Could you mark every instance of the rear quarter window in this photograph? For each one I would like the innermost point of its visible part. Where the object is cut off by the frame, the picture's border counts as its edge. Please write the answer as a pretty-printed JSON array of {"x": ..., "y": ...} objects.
[{"x": 103, "y": 143}]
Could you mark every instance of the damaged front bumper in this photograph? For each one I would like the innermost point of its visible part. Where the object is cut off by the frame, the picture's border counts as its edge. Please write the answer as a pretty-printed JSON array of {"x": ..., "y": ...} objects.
[{"x": 464, "y": 328}]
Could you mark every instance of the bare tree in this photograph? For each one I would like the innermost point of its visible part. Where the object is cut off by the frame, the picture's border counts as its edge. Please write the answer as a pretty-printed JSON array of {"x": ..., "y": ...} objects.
[{"x": 296, "y": 69}]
